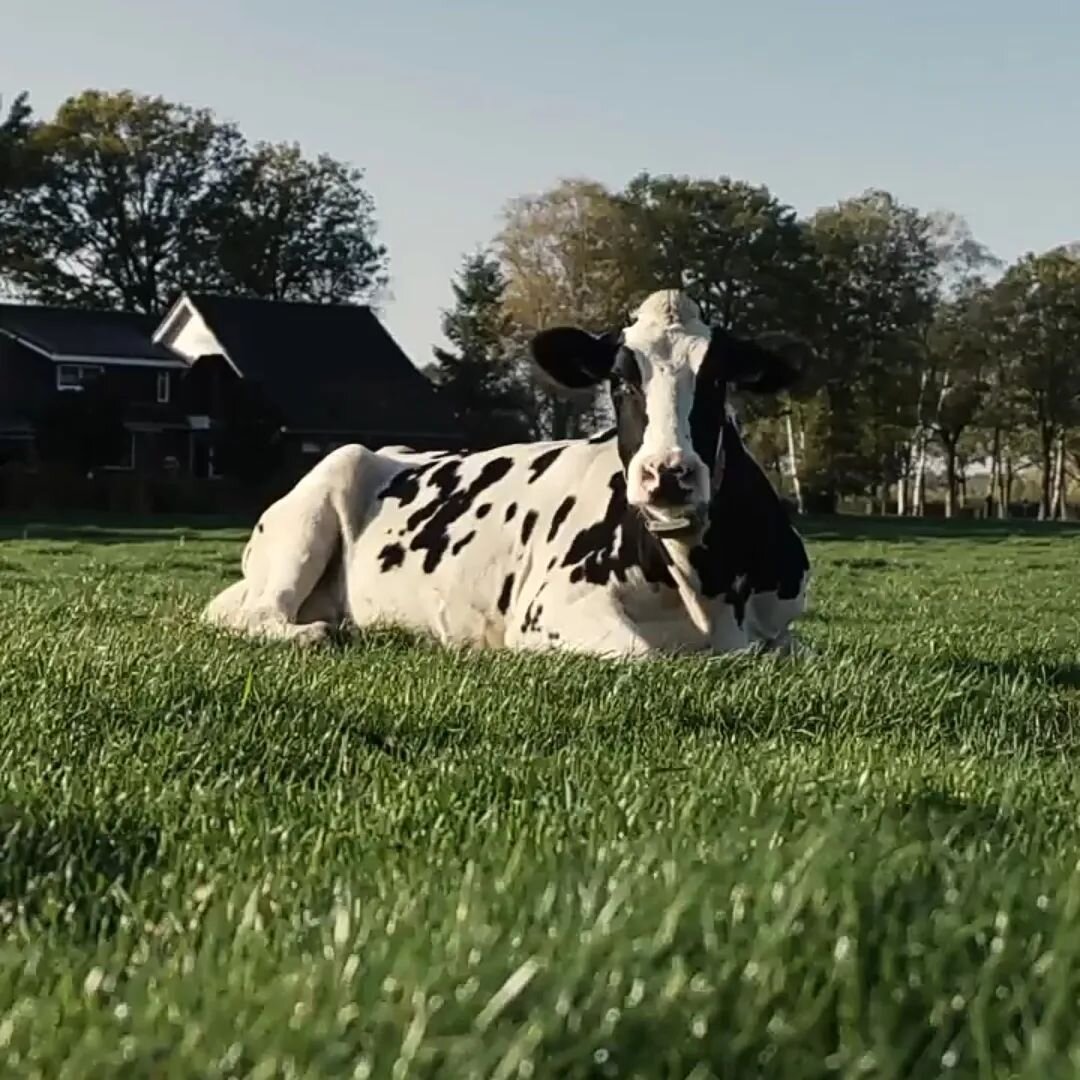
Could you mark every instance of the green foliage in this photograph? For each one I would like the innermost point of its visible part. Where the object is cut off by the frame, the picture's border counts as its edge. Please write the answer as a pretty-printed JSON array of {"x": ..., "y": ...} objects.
[
  {"x": 138, "y": 198},
  {"x": 736, "y": 249},
  {"x": 292, "y": 228},
  {"x": 20, "y": 165},
  {"x": 482, "y": 378},
  {"x": 222, "y": 858},
  {"x": 568, "y": 256},
  {"x": 1035, "y": 310},
  {"x": 876, "y": 284}
]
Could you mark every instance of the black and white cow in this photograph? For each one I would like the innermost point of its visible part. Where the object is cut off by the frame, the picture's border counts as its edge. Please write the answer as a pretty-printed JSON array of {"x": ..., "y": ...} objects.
[{"x": 660, "y": 535}]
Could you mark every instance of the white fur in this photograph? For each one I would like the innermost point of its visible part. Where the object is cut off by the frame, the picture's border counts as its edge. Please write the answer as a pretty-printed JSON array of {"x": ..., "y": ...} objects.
[
  {"x": 298, "y": 584},
  {"x": 669, "y": 342}
]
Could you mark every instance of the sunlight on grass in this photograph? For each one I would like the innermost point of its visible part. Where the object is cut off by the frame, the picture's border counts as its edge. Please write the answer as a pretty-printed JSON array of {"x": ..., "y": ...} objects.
[{"x": 226, "y": 859}]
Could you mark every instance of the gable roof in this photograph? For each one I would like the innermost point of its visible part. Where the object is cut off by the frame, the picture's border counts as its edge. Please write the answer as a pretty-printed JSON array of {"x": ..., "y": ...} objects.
[
  {"x": 326, "y": 367},
  {"x": 73, "y": 334}
]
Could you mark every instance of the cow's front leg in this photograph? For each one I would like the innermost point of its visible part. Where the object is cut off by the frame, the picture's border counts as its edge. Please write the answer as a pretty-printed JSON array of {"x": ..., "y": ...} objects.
[
  {"x": 595, "y": 626},
  {"x": 769, "y": 618}
]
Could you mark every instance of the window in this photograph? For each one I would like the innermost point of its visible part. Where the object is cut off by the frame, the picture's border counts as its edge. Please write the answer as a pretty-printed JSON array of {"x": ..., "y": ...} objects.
[
  {"x": 76, "y": 376},
  {"x": 163, "y": 387}
]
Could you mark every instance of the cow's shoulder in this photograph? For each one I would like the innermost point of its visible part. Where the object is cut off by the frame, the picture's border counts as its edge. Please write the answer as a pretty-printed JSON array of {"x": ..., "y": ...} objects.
[{"x": 751, "y": 544}]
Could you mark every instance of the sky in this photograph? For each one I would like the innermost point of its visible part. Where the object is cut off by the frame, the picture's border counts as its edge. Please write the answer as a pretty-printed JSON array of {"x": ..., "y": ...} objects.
[{"x": 453, "y": 107}]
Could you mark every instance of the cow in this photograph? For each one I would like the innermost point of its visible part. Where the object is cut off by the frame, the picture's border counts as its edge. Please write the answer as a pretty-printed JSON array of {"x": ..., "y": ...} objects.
[{"x": 659, "y": 535}]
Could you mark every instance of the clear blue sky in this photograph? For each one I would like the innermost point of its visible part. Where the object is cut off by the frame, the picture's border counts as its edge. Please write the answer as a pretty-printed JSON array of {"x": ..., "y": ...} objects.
[{"x": 454, "y": 106}]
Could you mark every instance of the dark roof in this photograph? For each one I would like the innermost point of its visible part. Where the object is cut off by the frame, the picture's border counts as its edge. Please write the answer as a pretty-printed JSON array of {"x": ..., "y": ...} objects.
[
  {"x": 327, "y": 367},
  {"x": 58, "y": 331}
]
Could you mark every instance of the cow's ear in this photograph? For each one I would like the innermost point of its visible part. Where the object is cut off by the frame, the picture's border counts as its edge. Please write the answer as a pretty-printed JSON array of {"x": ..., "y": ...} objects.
[
  {"x": 766, "y": 364},
  {"x": 573, "y": 358}
]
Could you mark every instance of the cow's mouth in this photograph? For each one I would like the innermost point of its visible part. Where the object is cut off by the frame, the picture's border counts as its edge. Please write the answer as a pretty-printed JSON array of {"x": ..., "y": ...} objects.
[{"x": 682, "y": 524}]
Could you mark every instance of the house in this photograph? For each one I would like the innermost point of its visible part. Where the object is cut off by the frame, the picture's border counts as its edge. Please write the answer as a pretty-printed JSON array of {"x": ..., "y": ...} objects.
[
  {"x": 330, "y": 374},
  {"x": 46, "y": 352},
  {"x": 321, "y": 375}
]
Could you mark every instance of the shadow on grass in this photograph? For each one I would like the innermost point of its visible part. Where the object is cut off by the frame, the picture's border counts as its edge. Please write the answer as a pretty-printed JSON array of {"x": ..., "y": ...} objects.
[
  {"x": 819, "y": 529},
  {"x": 106, "y": 528},
  {"x": 61, "y": 869},
  {"x": 1062, "y": 674},
  {"x": 93, "y": 535}
]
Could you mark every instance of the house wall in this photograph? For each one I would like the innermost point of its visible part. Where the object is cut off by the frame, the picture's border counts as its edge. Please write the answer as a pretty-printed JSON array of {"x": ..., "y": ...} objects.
[
  {"x": 27, "y": 380},
  {"x": 194, "y": 338}
]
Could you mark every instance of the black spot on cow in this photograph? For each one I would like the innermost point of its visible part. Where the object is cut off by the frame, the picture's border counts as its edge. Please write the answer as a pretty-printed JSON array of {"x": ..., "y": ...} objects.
[
  {"x": 452, "y": 501},
  {"x": 483, "y": 510},
  {"x": 504, "y": 596},
  {"x": 750, "y": 545},
  {"x": 531, "y": 622},
  {"x": 391, "y": 556},
  {"x": 551, "y": 562},
  {"x": 405, "y": 486},
  {"x": 528, "y": 523},
  {"x": 616, "y": 543},
  {"x": 511, "y": 510},
  {"x": 543, "y": 462},
  {"x": 261, "y": 527},
  {"x": 445, "y": 479},
  {"x": 553, "y": 635},
  {"x": 602, "y": 436},
  {"x": 560, "y": 516},
  {"x": 466, "y": 539}
]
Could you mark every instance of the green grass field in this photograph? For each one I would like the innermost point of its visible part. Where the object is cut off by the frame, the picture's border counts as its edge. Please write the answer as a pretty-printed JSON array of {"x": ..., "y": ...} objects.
[{"x": 226, "y": 859}]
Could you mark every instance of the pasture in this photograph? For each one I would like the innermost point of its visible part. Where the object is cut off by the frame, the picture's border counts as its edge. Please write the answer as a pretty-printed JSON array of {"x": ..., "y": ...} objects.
[{"x": 227, "y": 859}]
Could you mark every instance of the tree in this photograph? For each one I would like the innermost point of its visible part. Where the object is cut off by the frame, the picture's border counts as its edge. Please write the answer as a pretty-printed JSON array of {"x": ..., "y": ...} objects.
[
  {"x": 740, "y": 253},
  {"x": 962, "y": 376},
  {"x": 20, "y": 168},
  {"x": 120, "y": 217},
  {"x": 140, "y": 198},
  {"x": 880, "y": 270},
  {"x": 481, "y": 376},
  {"x": 1036, "y": 308},
  {"x": 565, "y": 258},
  {"x": 289, "y": 228}
]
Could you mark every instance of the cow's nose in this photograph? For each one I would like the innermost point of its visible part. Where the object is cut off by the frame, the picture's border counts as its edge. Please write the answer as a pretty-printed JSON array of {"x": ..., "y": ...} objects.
[{"x": 670, "y": 484}]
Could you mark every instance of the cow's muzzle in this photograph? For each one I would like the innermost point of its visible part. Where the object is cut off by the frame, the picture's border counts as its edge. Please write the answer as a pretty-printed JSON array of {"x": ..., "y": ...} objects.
[{"x": 685, "y": 523}]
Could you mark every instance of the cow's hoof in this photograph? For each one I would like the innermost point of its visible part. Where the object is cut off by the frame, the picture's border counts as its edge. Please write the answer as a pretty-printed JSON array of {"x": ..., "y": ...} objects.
[{"x": 311, "y": 634}]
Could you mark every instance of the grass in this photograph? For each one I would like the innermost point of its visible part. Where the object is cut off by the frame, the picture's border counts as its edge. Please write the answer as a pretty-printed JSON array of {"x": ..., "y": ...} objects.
[{"x": 226, "y": 859}]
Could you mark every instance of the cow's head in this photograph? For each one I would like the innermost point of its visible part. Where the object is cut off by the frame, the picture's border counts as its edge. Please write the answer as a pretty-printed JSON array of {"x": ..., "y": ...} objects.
[{"x": 668, "y": 374}]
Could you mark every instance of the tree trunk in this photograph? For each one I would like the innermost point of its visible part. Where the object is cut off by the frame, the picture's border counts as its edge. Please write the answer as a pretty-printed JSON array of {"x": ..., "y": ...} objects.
[
  {"x": 1046, "y": 509},
  {"x": 793, "y": 462},
  {"x": 918, "y": 494},
  {"x": 915, "y": 495},
  {"x": 1005, "y": 481},
  {"x": 950, "y": 477},
  {"x": 995, "y": 474},
  {"x": 1057, "y": 497},
  {"x": 903, "y": 479}
]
